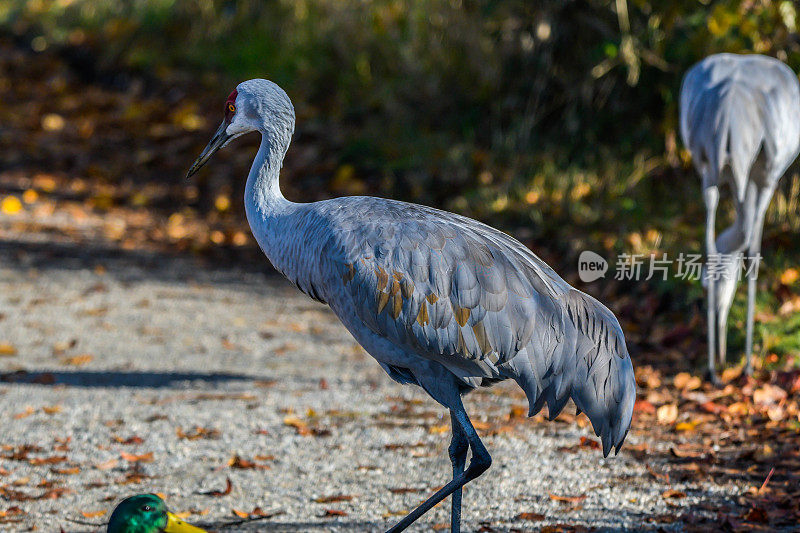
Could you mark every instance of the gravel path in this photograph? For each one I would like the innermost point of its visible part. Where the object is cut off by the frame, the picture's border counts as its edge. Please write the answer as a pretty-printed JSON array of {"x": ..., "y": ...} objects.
[{"x": 138, "y": 372}]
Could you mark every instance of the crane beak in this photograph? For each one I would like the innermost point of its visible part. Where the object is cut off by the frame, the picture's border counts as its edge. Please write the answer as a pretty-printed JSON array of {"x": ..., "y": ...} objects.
[
  {"x": 217, "y": 141},
  {"x": 176, "y": 525}
]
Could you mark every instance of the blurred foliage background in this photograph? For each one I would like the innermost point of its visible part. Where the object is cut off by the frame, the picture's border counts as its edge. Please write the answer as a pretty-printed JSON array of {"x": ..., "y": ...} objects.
[{"x": 554, "y": 120}]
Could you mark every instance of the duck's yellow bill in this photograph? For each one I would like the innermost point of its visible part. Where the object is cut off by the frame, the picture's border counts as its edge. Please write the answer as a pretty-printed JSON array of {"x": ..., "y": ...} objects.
[{"x": 176, "y": 525}]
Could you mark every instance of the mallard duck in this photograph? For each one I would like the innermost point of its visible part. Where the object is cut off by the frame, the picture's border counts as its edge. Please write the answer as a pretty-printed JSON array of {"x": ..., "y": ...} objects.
[{"x": 147, "y": 513}]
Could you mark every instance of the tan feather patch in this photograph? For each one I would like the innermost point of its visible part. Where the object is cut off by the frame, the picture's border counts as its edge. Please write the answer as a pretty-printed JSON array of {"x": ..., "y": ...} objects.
[
  {"x": 462, "y": 314},
  {"x": 407, "y": 287},
  {"x": 432, "y": 298},
  {"x": 462, "y": 346},
  {"x": 395, "y": 287},
  {"x": 383, "y": 278},
  {"x": 422, "y": 316},
  {"x": 383, "y": 299},
  {"x": 480, "y": 336},
  {"x": 397, "y": 306}
]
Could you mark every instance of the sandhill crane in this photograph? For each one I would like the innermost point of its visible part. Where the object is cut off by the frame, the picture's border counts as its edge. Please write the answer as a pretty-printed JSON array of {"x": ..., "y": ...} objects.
[
  {"x": 740, "y": 118},
  {"x": 439, "y": 300}
]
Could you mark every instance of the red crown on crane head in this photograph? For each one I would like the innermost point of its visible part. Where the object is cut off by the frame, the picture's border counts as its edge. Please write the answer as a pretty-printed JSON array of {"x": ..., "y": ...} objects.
[{"x": 231, "y": 100}]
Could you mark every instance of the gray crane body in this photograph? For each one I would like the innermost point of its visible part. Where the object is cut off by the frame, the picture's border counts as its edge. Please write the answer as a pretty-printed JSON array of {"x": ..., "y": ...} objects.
[
  {"x": 740, "y": 119},
  {"x": 439, "y": 300}
]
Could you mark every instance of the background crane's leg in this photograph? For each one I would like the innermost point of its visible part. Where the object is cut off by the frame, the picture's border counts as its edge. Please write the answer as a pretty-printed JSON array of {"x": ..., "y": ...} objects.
[
  {"x": 711, "y": 198},
  {"x": 481, "y": 460},
  {"x": 754, "y": 259},
  {"x": 458, "y": 456}
]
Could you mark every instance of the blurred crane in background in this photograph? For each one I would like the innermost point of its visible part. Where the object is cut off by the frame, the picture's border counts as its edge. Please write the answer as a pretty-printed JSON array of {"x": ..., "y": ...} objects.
[
  {"x": 439, "y": 300},
  {"x": 740, "y": 118}
]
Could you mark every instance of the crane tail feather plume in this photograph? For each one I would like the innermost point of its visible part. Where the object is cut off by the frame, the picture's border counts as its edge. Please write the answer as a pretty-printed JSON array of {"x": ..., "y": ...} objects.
[{"x": 592, "y": 366}]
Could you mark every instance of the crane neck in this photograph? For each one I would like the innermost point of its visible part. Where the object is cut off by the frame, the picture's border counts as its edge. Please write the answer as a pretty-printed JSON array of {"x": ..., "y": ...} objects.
[
  {"x": 263, "y": 196},
  {"x": 276, "y": 222}
]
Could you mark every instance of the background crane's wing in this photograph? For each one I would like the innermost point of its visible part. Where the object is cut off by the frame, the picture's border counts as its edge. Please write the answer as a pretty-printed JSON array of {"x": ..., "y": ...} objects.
[
  {"x": 472, "y": 298},
  {"x": 735, "y": 108}
]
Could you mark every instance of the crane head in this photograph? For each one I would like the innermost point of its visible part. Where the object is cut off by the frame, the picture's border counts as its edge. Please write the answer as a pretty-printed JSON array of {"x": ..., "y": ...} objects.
[{"x": 254, "y": 105}]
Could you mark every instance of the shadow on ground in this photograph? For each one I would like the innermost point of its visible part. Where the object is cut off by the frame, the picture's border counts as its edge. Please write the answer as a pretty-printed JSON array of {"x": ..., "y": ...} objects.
[{"x": 121, "y": 379}]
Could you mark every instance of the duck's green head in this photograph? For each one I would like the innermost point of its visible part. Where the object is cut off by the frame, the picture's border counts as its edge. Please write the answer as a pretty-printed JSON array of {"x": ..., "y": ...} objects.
[{"x": 146, "y": 513}]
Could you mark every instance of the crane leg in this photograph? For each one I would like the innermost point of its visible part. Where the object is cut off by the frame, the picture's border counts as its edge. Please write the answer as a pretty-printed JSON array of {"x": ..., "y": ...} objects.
[
  {"x": 711, "y": 197},
  {"x": 458, "y": 456},
  {"x": 480, "y": 462},
  {"x": 754, "y": 259}
]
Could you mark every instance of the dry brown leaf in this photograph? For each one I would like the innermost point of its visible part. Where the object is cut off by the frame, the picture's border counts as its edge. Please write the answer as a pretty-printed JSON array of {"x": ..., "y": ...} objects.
[
  {"x": 567, "y": 499},
  {"x": 686, "y": 381},
  {"x": 334, "y": 512},
  {"x": 673, "y": 494},
  {"x": 240, "y": 514},
  {"x": 134, "y": 458},
  {"x": 299, "y": 426},
  {"x": 219, "y": 493},
  {"x": 536, "y": 517},
  {"x": 93, "y": 514}
]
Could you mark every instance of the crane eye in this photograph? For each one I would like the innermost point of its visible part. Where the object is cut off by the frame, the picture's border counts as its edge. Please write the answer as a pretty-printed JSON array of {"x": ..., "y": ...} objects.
[{"x": 231, "y": 108}]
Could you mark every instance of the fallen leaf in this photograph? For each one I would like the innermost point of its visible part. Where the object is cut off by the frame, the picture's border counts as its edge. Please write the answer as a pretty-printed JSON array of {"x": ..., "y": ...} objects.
[
  {"x": 673, "y": 494},
  {"x": 530, "y": 516},
  {"x": 107, "y": 465},
  {"x": 10, "y": 205},
  {"x": 93, "y": 514},
  {"x": 687, "y": 426},
  {"x": 667, "y": 414},
  {"x": 7, "y": 350},
  {"x": 134, "y": 458},
  {"x": 567, "y": 499},
  {"x": 334, "y": 512},
  {"x": 26, "y": 413},
  {"x": 198, "y": 433},
  {"x": 686, "y": 381},
  {"x": 334, "y": 499},
  {"x": 643, "y": 406},
  {"x": 78, "y": 360},
  {"x": 789, "y": 276},
  {"x": 39, "y": 461},
  {"x": 240, "y": 514},
  {"x": 219, "y": 493},
  {"x": 135, "y": 439}
]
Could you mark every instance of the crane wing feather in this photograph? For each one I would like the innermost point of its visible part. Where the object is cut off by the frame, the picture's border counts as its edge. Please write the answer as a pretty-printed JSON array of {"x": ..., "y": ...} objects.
[{"x": 472, "y": 298}]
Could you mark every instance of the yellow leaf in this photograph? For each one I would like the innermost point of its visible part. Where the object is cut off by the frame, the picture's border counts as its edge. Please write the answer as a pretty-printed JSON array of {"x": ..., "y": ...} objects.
[
  {"x": 78, "y": 360},
  {"x": 789, "y": 276},
  {"x": 436, "y": 430},
  {"x": 686, "y": 426},
  {"x": 222, "y": 203},
  {"x": 30, "y": 196},
  {"x": 10, "y": 205},
  {"x": 93, "y": 514},
  {"x": 7, "y": 349},
  {"x": 53, "y": 122}
]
